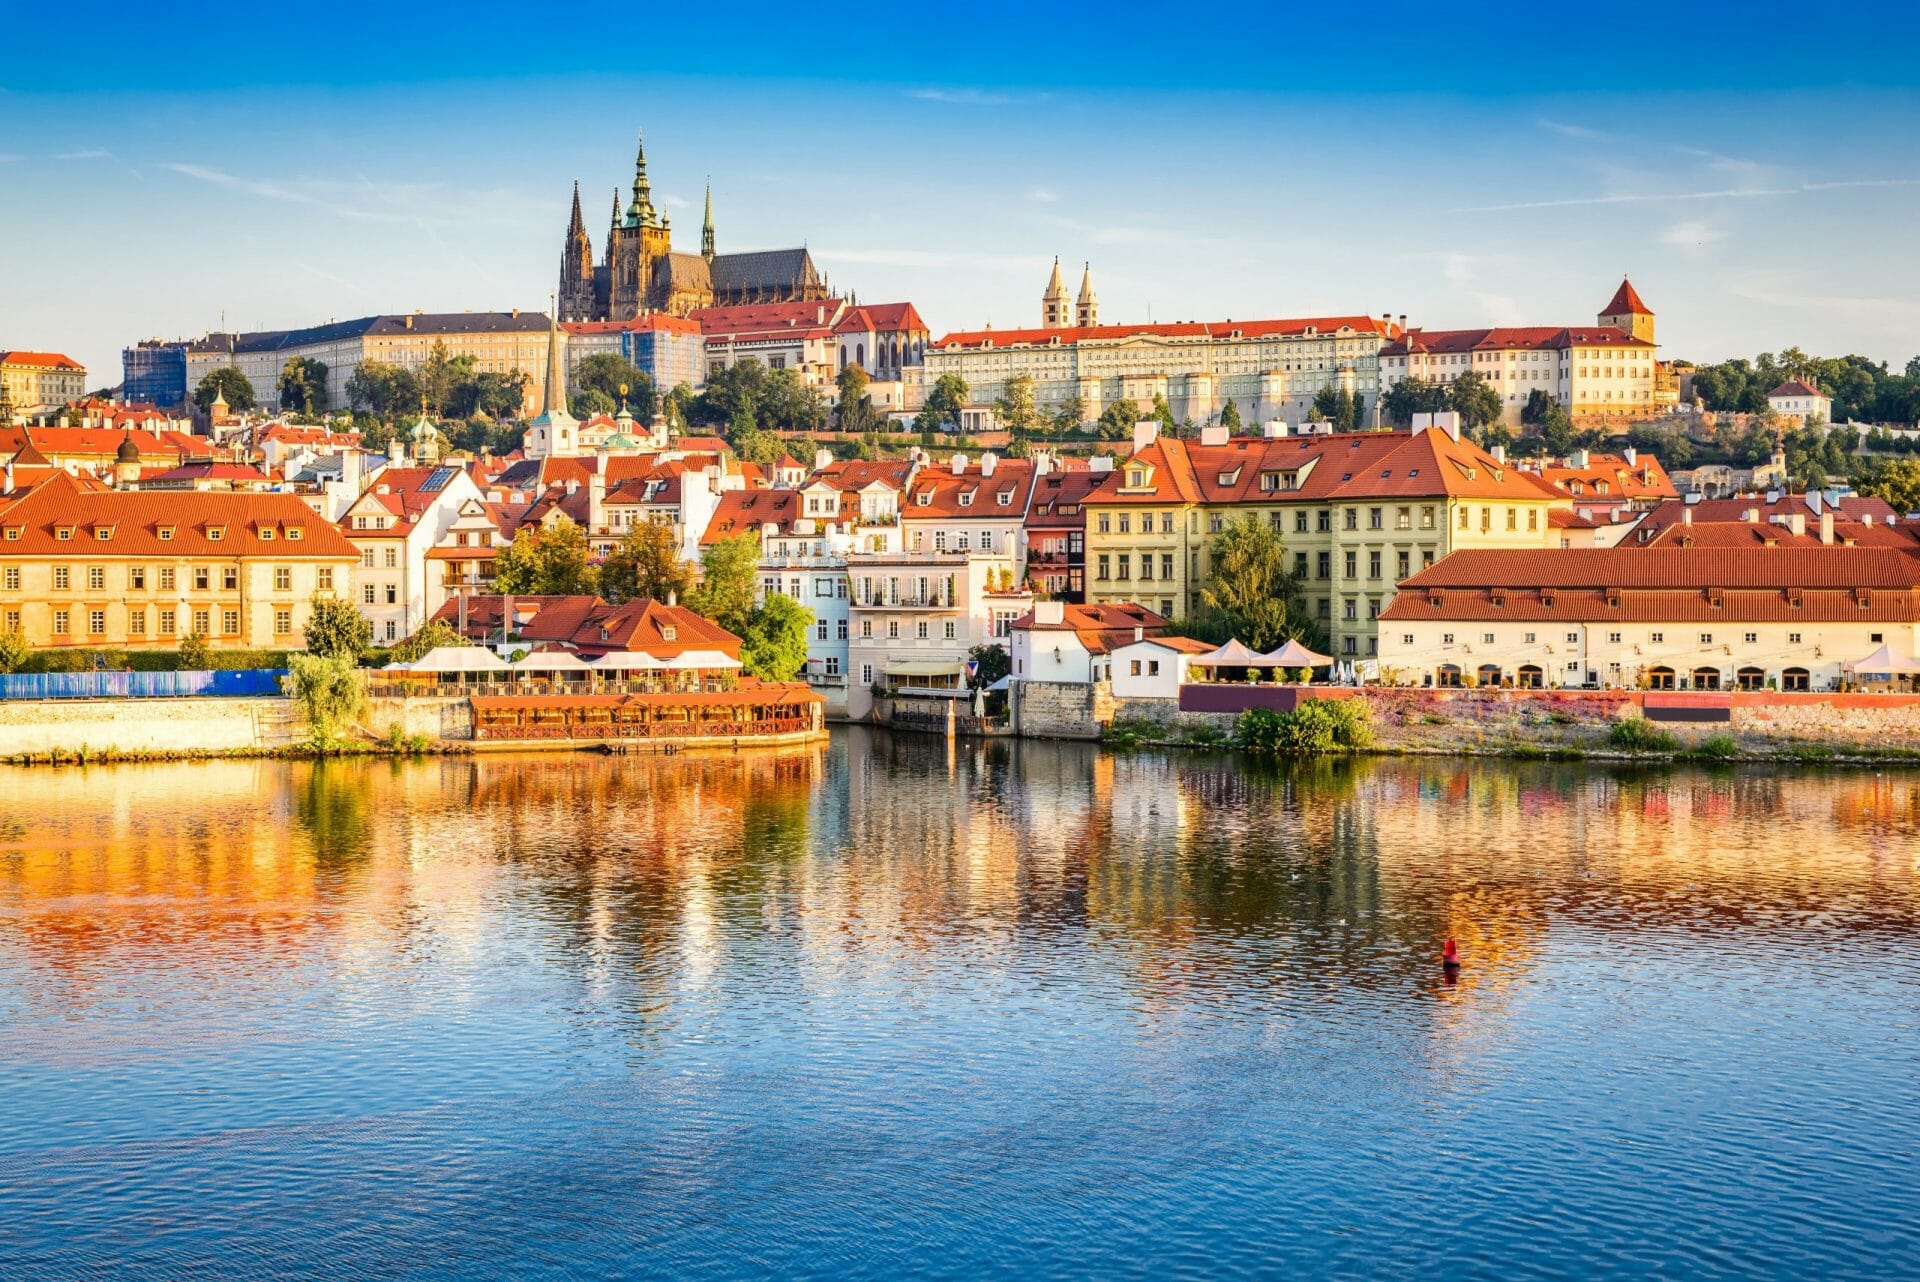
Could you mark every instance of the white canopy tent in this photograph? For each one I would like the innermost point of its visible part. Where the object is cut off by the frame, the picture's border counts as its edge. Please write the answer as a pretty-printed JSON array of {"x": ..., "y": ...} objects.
[
  {"x": 702, "y": 659},
  {"x": 1884, "y": 662},
  {"x": 551, "y": 661},
  {"x": 628, "y": 661},
  {"x": 1295, "y": 655},
  {"x": 456, "y": 658},
  {"x": 1232, "y": 655}
]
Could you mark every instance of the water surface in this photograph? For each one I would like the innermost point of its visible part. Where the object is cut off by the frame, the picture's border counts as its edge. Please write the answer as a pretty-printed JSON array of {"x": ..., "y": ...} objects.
[{"x": 890, "y": 1007}]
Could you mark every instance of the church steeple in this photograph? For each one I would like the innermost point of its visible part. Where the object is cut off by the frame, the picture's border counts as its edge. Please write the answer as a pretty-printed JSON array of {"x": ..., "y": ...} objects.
[
  {"x": 706, "y": 228},
  {"x": 553, "y": 401},
  {"x": 1053, "y": 303},
  {"x": 1086, "y": 311},
  {"x": 576, "y": 266},
  {"x": 576, "y": 226},
  {"x": 641, "y": 213}
]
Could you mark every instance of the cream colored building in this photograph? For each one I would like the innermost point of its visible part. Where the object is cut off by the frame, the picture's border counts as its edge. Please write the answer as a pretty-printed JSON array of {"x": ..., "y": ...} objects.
[
  {"x": 1787, "y": 618},
  {"x": 1800, "y": 403},
  {"x": 1605, "y": 372},
  {"x": 36, "y": 382},
  {"x": 1268, "y": 368}
]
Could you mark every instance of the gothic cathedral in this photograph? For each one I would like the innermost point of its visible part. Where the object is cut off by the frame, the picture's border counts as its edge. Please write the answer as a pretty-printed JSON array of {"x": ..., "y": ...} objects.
[{"x": 641, "y": 273}]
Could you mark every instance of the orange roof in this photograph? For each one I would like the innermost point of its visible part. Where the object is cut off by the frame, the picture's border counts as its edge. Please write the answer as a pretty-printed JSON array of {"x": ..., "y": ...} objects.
[
  {"x": 1854, "y": 507},
  {"x": 164, "y": 522},
  {"x": 848, "y": 475},
  {"x": 104, "y": 443},
  {"x": 1738, "y": 534},
  {"x": 1510, "y": 338},
  {"x": 938, "y": 494},
  {"x": 41, "y": 360},
  {"x": 1057, "y": 499},
  {"x": 1209, "y": 330},
  {"x": 745, "y": 511},
  {"x": 1793, "y": 387},
  {"x": 1626, "y": 300},
  {"x": 657, "y": 322},
  {"x": 1672, "y": 568},
  {"x": 1169, "y": 477},
  {"x": 1611, "y": 476}
]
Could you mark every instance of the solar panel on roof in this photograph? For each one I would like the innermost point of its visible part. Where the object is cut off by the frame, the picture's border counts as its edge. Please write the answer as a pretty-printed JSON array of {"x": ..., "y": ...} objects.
[{"x": 437, "y": 480}]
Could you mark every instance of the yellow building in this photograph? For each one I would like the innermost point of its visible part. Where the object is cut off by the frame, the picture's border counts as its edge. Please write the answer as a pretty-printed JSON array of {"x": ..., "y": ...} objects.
[
  {"x": 34, "y": 382},
  {"x": 1358, "y": 512},
  {"x": 1600, "y": 373},
  {"x": 143, "y": 569}
]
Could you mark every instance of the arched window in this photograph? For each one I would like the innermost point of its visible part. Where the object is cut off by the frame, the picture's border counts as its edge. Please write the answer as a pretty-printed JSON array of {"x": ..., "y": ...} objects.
[
  {"x": 860, "y": 354},
  {"x": 843, "y": 356},
  {"x": 1751, "y": 679},
  {"x": 1794, "y": 679},
  {"x": 1660, "y": 678},
  {"x": 1706, "y": 678},
  {"x": 1448, "y": 676},
  {"x": 1489, "y": 674},
  {"x": 1529, "y": 677}
]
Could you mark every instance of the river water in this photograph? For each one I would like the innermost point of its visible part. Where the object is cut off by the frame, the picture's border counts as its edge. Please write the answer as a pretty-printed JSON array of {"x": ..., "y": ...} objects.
[{"x": 888, "y": 1007}]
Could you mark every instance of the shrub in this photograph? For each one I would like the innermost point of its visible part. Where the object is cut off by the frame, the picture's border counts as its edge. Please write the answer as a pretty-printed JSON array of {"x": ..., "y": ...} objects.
[
  {"x": 1315, "y": 728},
  {"x": 329, "y": 692},
  {"x": 194, "y": 653},
  {"x": 1718, "y": 747},
  {"x": 13, "y": 649},
  {"x": 1639, "y": 735}
]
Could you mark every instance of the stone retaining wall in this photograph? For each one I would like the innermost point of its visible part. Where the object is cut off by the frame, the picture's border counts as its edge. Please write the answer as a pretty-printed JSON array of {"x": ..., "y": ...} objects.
[
  {"x": 146, "y": 726},
  {"x": 1060, "y": 709},
  {"x": 436, "y": 717}
]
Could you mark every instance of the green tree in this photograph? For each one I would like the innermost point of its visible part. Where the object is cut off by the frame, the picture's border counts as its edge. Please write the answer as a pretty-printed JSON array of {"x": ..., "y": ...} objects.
[
  {"x": 1474, "y": 400},
  {"x": 329, "y": 691},
  {"x": 438, "y": 375},
  {"x": 645, "y": 564},
  {"x": 1411, "y": 396},
  {"x": 855, "y": 412},
  {"x": 1898, "y": 482},
  {"x": 1230, "y": 417},
  {"x": 992, "y": 663},
  {"x": 1117, "y": 420},
  {"x": 1556, "y": 429},
  {"x": 195, "y": 654},
  {"x": 1535, "y": 410},
  {"x": 335, "y": 627},
  {"x": 947, "y": 399},
  {"x": 228, "y": 384},
  {"x": 385, "y": 390},
  {"x": 1015, "y": 408},
  {"x": 1070, "y": 417},
  {"x": 1162, "y": 413},
  {"x": 550, "y": 562},
  {"x": 427, "y": 638},
  {"x": 499, "y": 395},
  {"x": 591, "y": 402},
  {"x": 773, "y": 642},
  {"x": 1251, "y": 588},
  {"x": 728, "y": 571},
  {"x": 1336, "y": 405},
  {"x": 607, "y": 373},
  {"x": 303, "y": 385},
  {"x": 14, "y": 649}
]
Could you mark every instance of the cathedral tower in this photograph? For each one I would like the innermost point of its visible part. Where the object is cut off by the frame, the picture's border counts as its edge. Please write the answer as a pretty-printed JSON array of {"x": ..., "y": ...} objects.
[
  {"x": 1626, "y": 312},
  {"x": 1054, "y": 310},
  {"x": 706, "y": 228},
  {"x": 576, "y": 301},
  {"x": 1086, "y": 312}
]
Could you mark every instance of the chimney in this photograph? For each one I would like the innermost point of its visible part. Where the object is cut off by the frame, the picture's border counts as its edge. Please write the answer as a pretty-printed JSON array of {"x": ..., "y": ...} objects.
[
  {"x": 1214, "y": 434},
  {"x": 1826, "y": 526},
  {"x": 1139, "y": 634},
  {"x": 1578, "y": 459},
  {"x": 1630, "y": 455},
  {"x": 822, "y": 460},
  {"x": 1274, "y": 429},
  {"x": 1049, "y": 613},
  {"x": 1499, "y": 453},
  {"x": 1145, "y": 433},
  {"x": 673, "y": 598},
  {"x": 1798, "y": 524},
  {"x": 1042, "y": 463},
  {"x": 596, "y": 500},
  {"x": 6, "y": 481},
  {"x": 1686, "y": 516},
  {"x": 959, "y": 464}
]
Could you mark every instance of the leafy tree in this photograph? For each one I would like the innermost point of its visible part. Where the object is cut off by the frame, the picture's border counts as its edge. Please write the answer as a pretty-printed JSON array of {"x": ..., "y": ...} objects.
[
  {"x": 992, "y": 662},
  {"x": 329, "y": 692},
  {"x": 728, "y": 571},
  {"x": 645, "y": 564},
  {"x": 1898, "y": 482},
  {"x": 1474, "y": 400},
  {"x": 385, "y": 390},
  {"x": 590, "y": 402},
  {"x": 1162, "y": 413},
  {"x": 336, "y": 628},
  {"x": 1251, "y": 587},
  {"x": 1015, "y": 408},
  {"x": 427, "y": 638},
  {"x": 549, "y": 562},
  {"x": 1117, "y": 420},
  {"x": 1412, "y": 396},
  {"x": 1230, "y": 417},
  {"x": 1535, "y": 410},
  {"x": 501, "y": 394},
  {"x": 855, "y": 412},
  {"x": 303, "y": 385},
  {"x": 441, "y": 373},
  {"x": 195, "y": 654},
  {"x": 607, "y": 373},
  {"x": 947, "y": 399},
  {"x": 1071, "y": 415},
  {"x": 1556, "y": 429},
  {"x": 1335, "y": 404},
  {"x": 14, "y": 649},
  {"x": 773, "y": 642},
  {"x": 228, "y": 384}
]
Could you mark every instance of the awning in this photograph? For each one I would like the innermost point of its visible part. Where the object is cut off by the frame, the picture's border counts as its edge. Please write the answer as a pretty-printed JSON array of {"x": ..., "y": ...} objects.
[
  {"x": 703, "y": 659},
  {"x": 1232, "y": 655},
  {"x": 924, "y": 667},
  {"x": 459, "y": 658},
  {"x": 628, "y": 661},
  {"x": 1884, "y": 661},
  {"x": 551, "y": 661},
  {"x": 1295, "y": 655}
]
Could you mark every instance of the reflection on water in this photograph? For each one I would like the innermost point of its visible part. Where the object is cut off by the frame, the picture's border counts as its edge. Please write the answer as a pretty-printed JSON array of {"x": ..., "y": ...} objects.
[{"x": 892, "y": 1005}]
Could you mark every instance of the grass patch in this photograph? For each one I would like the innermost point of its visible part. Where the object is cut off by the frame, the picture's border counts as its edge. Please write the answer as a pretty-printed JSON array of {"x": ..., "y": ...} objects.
[
  {"x": 1717, "y": 747},
  {"x": 1641, "y": 737}
]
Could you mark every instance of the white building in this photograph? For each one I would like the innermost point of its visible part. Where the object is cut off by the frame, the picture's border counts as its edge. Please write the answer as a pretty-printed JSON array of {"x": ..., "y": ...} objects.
[
  {"x": 402, "y": 516},
  {"x": 1075, "y": 644},
  {"x": 915, "y": 616},
  {"x": 1800, "y": 402},
  {"x": 1153, "y": 668}
]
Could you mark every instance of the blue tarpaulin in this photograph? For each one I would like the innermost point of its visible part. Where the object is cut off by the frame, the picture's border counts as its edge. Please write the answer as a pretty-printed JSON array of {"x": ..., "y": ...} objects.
[{"x": 139, "y": 685}]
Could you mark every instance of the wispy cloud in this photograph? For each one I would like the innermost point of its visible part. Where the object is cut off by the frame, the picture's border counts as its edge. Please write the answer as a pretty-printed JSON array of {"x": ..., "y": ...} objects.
[
  {"x": 1041, "y": 195},
  {"x": 86, "y": 153},
  {"x": 1501, "y": 309},
  {"x": 975, "y": 97},
  {"x": 1692, "y": 236},
  {"x": 8, "y": 157},
  {"x": 1723, "y": 193},
  {"x": 331, "y": 277},
  {"x": 1566, "y": 130},
  {"x": 389, "y": 204},
  {"x": 676, "y": 202}
]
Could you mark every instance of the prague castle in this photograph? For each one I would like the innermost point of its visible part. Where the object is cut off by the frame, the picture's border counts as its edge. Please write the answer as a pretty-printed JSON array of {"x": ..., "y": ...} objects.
[{"x": 641, "y": 273}]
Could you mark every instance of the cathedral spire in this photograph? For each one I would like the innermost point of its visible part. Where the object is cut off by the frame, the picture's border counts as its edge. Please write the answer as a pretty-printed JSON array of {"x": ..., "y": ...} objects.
[
  {"x": 706, "y": 228},
  {"x": 576, "y": 227},
  {"x": 553, "y": 403},
  {"x": 1087, "y": 307},
  {"x": 1053, "y": 303},
  {"x": 640, "y": 213}
]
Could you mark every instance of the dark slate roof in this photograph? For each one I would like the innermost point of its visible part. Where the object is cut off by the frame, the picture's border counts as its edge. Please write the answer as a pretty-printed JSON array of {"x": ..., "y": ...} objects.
[
  {"x": 765, "y": 269},
  {"x": 429, "y": 323},
  {"x": 684, "y": 271}
]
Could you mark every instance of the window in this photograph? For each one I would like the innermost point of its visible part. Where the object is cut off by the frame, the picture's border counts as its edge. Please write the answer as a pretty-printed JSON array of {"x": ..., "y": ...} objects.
[
  {"x": 1323, "y": 521},
  {"x": 325, "y": 583},
  {"x": 1426, "y": 518},
  {"x": 1513, "y": 518},
  {"x": 1300, "y": 521},
  {"x": 366, "y": 558},
  {"x": 282, "y": 621},
  {"x": 1465, "y": 515},
  {"x": 820, "y": 630},
  {"x": 137, "y": 621},
  {"x": 920, "y": 630},
  {"x": 1403, "y": 519},
  {"x": 393, "y": 630},
  {"x": 229, "y": 577},
  {"x": 60, "y": 618},
  {"x": 166, "y": 623},
  {"x": 215, "y": 533},
  {"x": 1533, "y": 520},
  {"x": 1126, "y": 566},
  {"x": 1658, "y": 638},
  {"x": 1374, "y": 518},
  {"x": 833, "y": 665},
  {"x": 282, "y": 578},
  {"x": 1350, "y": 609},
  {"x": 1406, "y": 638},
  {"x": 1353, "y": 518},
  {"x": 1793, "y": 638},
  {"x": 893, "y": 629},
  {"x": 866, "y": 674},
  {"x": 96, "y": 622},
  {"x": 1613, "y": 638},
  {"x": 1323, "y": 564},
  {"x": 202, "y": 579},
  {"x": 1101, "y": 567},
  {"x": 1751, "y": 638},
  {"x": 12, "y": 579},
  {"x": 1486, "y": 638},
  {"x": 1529, "y": 638},
  {"x": 1373, "y": 565},
  {"x": 202, "y": 621},
  {"x": 1146, "y": 566},
  {"x": 1103, "y": 523},
  {"x": 1353, "y": 565},
  {"x": 366, "y": 594},
  {"x": 266, "y": 534},
  {"x": 866, "y": 629},
  {"x": 840, "y": 629},
  {"x": 1403, "y": 565},
  {"x": 1299, "y": 565},
  {"x": 96, "y": 578},
  {"x": 137, "y": 578},
  {"x": 949, "y": 630},
  {"x": 1166, "y": 522},
  {"x": 229, "y": 622},
  {"x": 62, "y": 578},
  {"x": 393, "y": 558},
  {"x": 1446, "y": 638},
  {"x": 1706, "y": 638},
  {"x": 393, "y": 594}
]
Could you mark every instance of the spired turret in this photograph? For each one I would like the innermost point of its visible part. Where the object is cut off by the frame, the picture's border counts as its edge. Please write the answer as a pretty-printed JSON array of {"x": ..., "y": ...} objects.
[
  {"x": 1054, "y": 313},
  {"x": 1086, "y": 311}
]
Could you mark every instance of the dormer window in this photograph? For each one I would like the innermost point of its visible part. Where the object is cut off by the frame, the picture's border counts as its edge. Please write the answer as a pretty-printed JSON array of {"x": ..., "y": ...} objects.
[
  {"x": 1136, "y": 478},
  {"x": 1006, "y": 498},
  {"x": 13, "y": 534},
  {"x": 669, "y": 632},
  {"x": 165, "y": 533},
  {"x": 923, "y": 499},
  {"x": 215, "y": 533},
  {"x": 966, "y": 500},
  {"x": 102, "y": 533},
  {"x": 293, "y": 533},
  {"x": 63, "y": 533},
  {"x": 266, "y": 534}
]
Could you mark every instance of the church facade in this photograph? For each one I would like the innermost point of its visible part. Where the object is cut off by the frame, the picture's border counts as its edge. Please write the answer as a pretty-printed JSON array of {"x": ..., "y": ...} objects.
[{"x": 640, "y": 273}]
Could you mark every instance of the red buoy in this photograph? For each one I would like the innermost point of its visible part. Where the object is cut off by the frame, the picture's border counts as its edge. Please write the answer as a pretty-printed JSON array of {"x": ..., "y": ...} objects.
[{"x": 1450, "y": 954}]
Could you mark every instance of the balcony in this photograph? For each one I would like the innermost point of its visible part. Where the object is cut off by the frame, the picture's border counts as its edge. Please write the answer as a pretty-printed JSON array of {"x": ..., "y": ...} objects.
[{"x": 932, "y": 601}]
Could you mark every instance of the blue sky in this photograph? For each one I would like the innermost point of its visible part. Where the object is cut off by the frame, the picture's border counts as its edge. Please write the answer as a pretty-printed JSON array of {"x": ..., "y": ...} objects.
[{"x": 1757, "y": 173}]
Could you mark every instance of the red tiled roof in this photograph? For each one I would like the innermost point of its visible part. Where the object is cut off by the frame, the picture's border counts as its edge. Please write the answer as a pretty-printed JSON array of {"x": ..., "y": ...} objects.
[
  {"x": 1100, "y": 628},
  {"x": 1747, "y": 534},
  {"x": 248, "y": 524},
  {"x": 1509, "y": 338},
  {"x": 938, "y": 494},
  {"x": 1793, "y": 387},
  {"x": 1625, "y": 300},
  {"x": 593, "y": 627},
  {"x": 1671, "y": 568},
  {"x": 41, "y": 360},
  {"x": 1169, "y": 479},
  {"x": 658, "y": 322},
  {"x": 848, "y": 475},
  {"x": 745, "y": 511},
  {"x": 104, "y": 443},
  {"x": 882, "y": 318},
  {"x": 1855, "y": 507},
  {"x": 1644, "y": 478},
  {"x": 1061, "y": 490},
  {"x": 1210, "y": 330}
]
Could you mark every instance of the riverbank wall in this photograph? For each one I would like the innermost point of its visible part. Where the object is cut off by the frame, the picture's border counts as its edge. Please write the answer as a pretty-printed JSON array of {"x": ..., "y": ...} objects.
[{"x": 147, "y": 727}]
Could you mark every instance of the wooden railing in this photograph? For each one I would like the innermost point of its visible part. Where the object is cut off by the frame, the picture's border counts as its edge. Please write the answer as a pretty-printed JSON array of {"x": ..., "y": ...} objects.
[{"x": 601, "y": 730}]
